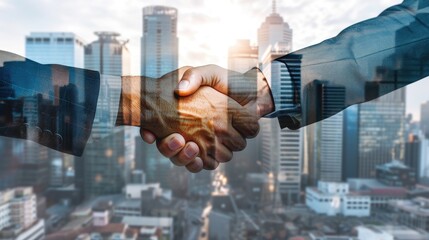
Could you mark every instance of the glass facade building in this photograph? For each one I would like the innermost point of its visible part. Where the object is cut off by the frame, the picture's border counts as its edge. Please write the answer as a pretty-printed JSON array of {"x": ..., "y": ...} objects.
[
  {"x": 159, "y": 43},
  {"x": 63, "y": 48}
]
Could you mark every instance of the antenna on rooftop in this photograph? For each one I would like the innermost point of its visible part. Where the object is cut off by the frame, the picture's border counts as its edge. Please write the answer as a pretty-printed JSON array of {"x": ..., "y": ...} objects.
[{"x": 274, "y": 6}]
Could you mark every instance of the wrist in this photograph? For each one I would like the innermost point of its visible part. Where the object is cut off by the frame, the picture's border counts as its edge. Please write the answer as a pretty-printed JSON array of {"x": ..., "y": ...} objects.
[
  {"x": 130, "y": 101},
  {"x": 265, "y": 99}
]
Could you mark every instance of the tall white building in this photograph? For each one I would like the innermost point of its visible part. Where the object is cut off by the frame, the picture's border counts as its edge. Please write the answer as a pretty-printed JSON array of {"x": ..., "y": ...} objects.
[
  {"x": 242, "y": 56},
  {"x": 159, "y": 43},
  {"x": 281, "y": 151},
  {"x": 273, "y": 30},
  {"x": 63, "y": 48},
  {"x": 18, "y": 215}
]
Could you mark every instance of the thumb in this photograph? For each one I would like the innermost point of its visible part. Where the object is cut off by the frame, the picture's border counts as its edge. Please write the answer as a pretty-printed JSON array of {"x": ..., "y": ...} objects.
[{"x": 210, "y": 75}]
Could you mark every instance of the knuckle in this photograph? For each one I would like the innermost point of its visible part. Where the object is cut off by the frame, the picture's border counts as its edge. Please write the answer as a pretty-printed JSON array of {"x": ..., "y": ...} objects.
[{"x": 243, "y": 144}]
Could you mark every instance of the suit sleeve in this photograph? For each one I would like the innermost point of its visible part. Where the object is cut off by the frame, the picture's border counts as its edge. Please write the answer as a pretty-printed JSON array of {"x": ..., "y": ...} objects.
[
  {"x": 52, "y": 105},
  {"x": 365, "y": 61}
]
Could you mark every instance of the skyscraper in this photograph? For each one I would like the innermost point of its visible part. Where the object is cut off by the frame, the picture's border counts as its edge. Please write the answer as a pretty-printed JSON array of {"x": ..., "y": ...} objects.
[
  {"x": 63, "y": 48},
  {"x": 381, "y": 126},
  {"x": 273, "y": 30},
  {"x": 159, "y": 43},
  {"x": 281, "y": 151},
  {"x": 325, "y": 138},
  {"x": 159, "y": 55},
  {"x": 108, "y": 55},
  {"x": 424, "y": 118},
  {"x": 107, "y": 174},
  {"x": 242, "y": 56}
]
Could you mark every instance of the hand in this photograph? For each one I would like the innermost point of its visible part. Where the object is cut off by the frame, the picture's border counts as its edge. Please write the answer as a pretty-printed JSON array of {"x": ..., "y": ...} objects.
[
  {"x": 249, "y": 89},
  {"x": 206, "y": 118}
]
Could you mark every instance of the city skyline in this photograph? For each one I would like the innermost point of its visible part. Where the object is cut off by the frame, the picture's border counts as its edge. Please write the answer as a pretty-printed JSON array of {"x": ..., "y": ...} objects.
[
  {"x": 203, "y": 41},
  {"x": 361, "y": 174}
]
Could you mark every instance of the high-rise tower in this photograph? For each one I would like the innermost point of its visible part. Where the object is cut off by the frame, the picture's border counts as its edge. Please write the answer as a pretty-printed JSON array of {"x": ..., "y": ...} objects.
[
  {"x": 159, "y": 43},
  {"x": 274, "y": 30}
]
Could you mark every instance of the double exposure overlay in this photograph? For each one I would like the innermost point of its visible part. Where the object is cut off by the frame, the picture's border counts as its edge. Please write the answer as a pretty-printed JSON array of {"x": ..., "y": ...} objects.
[{"x": 280, "y": 144}]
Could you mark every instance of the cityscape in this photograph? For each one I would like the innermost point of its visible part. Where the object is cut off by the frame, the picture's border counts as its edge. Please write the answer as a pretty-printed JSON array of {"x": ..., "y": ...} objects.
[{"x": 360, "y": 174}]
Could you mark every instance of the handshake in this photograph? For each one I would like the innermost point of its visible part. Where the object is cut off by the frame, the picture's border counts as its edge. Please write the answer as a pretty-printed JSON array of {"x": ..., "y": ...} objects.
[{"x": 198, "y": 116}]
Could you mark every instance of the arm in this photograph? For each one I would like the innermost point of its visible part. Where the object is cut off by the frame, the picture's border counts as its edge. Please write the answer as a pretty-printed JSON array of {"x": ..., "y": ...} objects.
[
  {"x": 365, "y": 61},
  {"x": 52, "y": 105}
]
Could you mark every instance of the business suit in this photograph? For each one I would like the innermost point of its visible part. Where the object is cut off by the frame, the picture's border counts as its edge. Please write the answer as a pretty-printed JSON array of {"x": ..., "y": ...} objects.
[
  {"x": 367, "y": 60},
  {"x": 52, "y": 105}
]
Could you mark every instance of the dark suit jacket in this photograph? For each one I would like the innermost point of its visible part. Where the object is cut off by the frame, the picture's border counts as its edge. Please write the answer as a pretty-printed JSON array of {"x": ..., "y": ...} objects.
[
  {"x": 52, "y": 105},
  {"x": 363, "y": 62}
]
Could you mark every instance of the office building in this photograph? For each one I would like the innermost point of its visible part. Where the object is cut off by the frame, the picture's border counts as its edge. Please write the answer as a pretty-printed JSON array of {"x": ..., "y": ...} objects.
[
  {"x": 331, "y": 198},
  {"x": 159, "y": 42},
  {"x": 325, "y": 138},
  {"x": 103, "y": 166},
  {"x": 159, "y": 55},
  {"x": 273, "y": 30},
  {"x": 18, "y": 215},
  {"x": 395, "y": 173},
  {"x": 424, "y": 118},
  {"x": 381, "y": 126},
  {"x": 282, "y": 149},
  {"x": 379, "y": 192},
  {"x": 412, "y": 213},
  {"x": 350, "y": 151},
  {"x": 242, "y": 56},
  {"x": 64, "y": 48},
  {"x": 417, "y": 155},
  {"x": 108, "y": 55}
]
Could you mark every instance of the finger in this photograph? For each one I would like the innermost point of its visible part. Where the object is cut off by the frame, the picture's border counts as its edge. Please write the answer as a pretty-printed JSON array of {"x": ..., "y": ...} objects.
[
  {"x": 210, "y": 75},
  {"x": 231, "y": 138},
  {"x": 171, "y": 145},
  {"x": 222, "y": 154},
  {"x": 186, "y": 155},
  {"x": 195, "y": 166},
  {"x": 209, "y": 162},
  {"x": 234, "y": 143},
  {"x": 244, "y": 121},
  {"x": 208, "y": 153},
  {"x": 147, "y": 136}
]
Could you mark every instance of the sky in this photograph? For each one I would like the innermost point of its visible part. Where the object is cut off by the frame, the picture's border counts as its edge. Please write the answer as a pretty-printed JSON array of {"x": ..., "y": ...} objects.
[{"x": 206, "y": 27}]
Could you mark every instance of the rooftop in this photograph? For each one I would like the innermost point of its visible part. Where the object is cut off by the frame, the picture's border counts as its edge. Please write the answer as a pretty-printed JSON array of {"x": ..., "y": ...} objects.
[
  {"x": 147, "y": 221},
  {"x": 418, "y": 206},
  {"x": 399, "y": 232}
]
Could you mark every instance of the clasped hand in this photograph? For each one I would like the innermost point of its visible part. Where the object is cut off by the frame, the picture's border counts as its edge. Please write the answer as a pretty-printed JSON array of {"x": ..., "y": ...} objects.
[{"x": 200, "y": 121}]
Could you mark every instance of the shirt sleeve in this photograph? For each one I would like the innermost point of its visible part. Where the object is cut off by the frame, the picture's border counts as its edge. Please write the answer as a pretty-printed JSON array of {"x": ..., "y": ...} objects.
[
  {"x": 365, "y": 61},
  {"x": 52, "y": 105}
]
